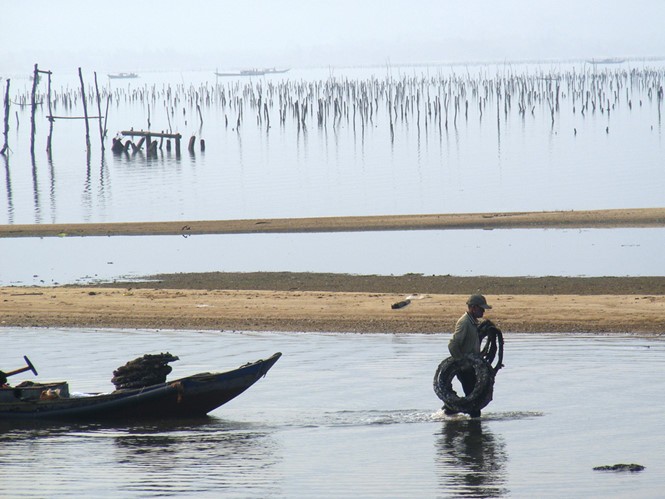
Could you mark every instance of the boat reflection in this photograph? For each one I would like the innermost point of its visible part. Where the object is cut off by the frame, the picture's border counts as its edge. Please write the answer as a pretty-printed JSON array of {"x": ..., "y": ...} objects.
[
  {"x": 205, "y": 454},
  {"x": 208, "y": 436},
  {"x": 28, "y": 428},
  {"x": 154, "y": 457},
  {"x": 471, "y": 460}
]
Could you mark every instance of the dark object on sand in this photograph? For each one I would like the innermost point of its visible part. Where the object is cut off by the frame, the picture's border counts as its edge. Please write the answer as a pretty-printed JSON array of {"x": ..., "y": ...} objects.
[
  {"x": 192, "y": 396},
  {"x": 620, "y": 467},
  {"x": 400, "y": 304},
  {"x": 485, "y": 366}
]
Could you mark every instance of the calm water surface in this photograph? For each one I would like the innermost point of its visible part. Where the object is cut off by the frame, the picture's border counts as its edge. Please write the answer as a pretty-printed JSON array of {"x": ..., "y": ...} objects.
[
  {"x": 371, "y": 141},
  {"x": 597, "y": 252},
  {"x": 344, "y": 415}
]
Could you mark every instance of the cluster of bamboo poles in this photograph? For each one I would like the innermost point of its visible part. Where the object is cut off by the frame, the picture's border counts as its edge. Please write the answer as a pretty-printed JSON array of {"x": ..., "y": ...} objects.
[
  {"x": 438, "y": 101},
  {"x": 424, "y": 100},
  {"x": 37, "y": 98}
]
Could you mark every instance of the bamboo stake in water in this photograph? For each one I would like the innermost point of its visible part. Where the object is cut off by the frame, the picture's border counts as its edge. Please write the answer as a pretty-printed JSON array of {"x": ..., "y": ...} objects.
[
  {"x": 102, "y": 132},
  {"x": 50, "y": 112},
  {"x": 33, "y": 109},
  {"x": 85, "y": 112},
  {"x": 6, "y": 131}
]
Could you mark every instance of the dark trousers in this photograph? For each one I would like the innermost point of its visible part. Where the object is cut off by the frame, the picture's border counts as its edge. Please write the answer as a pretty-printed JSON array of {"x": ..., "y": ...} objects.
[{"x": 468, "y": 380}]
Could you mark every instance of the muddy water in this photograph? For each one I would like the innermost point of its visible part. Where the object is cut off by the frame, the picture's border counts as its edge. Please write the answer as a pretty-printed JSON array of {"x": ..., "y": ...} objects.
[{"x": 344, "y": 415}]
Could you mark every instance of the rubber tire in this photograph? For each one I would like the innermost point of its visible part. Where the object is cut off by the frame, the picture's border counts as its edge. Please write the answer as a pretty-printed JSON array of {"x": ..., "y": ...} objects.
[
  {"x": 491, "y": 342},
  {"x": 482, "y": 392}
]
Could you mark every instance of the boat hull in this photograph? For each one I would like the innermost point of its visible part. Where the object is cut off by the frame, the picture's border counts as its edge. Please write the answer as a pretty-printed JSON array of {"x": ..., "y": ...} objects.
[
  {"x": 191, "y": 396},
  {"x": 254, "y": 72},
  {"x": 123, "y": 76}
]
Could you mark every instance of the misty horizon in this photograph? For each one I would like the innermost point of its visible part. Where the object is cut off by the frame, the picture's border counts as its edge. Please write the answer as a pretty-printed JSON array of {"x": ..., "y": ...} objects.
[{"x": 170, "y": 35}]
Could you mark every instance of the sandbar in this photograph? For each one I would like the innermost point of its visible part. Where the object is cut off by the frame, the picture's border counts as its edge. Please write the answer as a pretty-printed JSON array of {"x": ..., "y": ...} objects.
[
  {"x": 313, "y": 302},
  {"x": 642, "y": 217},
  {"x": 342, "y": 303}
]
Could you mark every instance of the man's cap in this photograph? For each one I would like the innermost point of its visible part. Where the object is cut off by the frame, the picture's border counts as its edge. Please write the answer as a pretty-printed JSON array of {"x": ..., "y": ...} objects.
[{"x": 478, "y": 300}]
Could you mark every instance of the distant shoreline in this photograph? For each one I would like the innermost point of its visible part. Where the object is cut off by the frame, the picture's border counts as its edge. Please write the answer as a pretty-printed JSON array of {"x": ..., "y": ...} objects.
[{"x": 617, "y": 218}]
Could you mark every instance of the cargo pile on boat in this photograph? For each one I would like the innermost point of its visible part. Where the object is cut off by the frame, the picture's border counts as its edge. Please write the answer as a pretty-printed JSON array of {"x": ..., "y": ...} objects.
[{"x": 151, "y": 369}]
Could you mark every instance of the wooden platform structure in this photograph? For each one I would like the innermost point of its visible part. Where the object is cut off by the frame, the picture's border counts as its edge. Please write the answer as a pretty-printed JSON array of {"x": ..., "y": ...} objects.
[{"x": 150, "y": 135}]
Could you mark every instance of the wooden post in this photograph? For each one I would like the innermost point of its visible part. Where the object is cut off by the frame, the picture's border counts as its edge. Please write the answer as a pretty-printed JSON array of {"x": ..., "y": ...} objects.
[
  {"x": 198, "y": 108},
  {"x": 50, "y": 112},
  {"x": 6, "y": 131},
  {"x": 35, "y": 81},
  {"x": 85, "y": 112},
  {"x": 102, "y": 132},
  {"x": 106, "y": 112},
  {"x": 152, "y": 135}
]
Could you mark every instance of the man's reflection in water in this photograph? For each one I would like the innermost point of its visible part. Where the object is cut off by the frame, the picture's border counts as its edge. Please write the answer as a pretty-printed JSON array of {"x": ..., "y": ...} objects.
[{"x": 471, "y": 460}]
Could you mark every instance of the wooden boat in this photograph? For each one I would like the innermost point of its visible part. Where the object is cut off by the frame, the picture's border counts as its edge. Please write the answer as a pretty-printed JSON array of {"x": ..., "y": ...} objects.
[
  {"x": 191, "y": 396},
  {"x": 609, "y": 60},
  {"x": 254, "y": 72},
  {"x": 123, "y": 75}
]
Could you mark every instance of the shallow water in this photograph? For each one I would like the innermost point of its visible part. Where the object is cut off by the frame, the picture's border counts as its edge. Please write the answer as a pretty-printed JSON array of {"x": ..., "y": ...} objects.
[
  {"x": 591, "y": 253},
  {"x": 489, "y": 157},
  {"x": 345, "y": 415}
]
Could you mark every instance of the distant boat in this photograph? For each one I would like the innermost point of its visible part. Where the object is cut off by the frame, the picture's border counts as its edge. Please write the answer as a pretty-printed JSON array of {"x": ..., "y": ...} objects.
[
  {"x": 123, "y": 76},
  {"x": 254, "y": 72},
  {"x": 609, "y": 60}
]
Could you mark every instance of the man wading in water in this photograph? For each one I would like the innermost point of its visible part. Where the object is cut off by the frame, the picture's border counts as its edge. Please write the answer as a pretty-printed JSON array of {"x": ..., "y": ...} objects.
[{"x": 465, "y": 341}]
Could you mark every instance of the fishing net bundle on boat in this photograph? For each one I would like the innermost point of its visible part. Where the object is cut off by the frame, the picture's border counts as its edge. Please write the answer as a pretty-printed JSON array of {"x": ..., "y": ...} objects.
[{"x": 151, "y": 369}]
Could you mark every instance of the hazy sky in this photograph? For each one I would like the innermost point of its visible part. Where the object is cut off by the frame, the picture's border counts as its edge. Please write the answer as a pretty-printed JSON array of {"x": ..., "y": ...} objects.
[{"x": 197, "y": 34}]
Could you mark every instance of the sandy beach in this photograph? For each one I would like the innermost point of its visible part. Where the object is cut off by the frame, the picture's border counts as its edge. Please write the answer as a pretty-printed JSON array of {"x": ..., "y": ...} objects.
[
  {"x": 320, "y": 302},
  {"x": 278, "y": 301}
]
